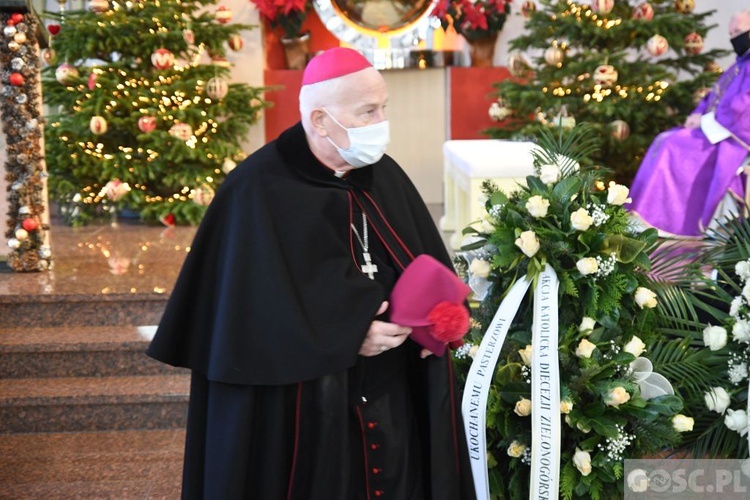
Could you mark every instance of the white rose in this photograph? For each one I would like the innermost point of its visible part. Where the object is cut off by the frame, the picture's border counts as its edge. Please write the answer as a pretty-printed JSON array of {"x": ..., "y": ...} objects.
[
  {"x": 742, "y": 269},
  {"x": 736, "y": 420},
  {"x": 587, "y": 265},
  {"x": 537, "y": 206},
  {"x": 473, "y": 351},
  {"x": 582, "y": 461},
  {"x": 549, "y": 174},
  {"x": 734, "y": 308},
  {"x": 581, "y": 220},
  {"x": 741, "y": 331},
  {"x": 717, "y": 399},
  {"x": 617, "y": 396},
  {"x": 526, "y": 354},
  {"x": 746, "y": 291},
  {"x": 585, "y": 348},
  {"x": 566, "y": 406},
  {"x": 528, "y": 243},
  {"x": 714, "y": 337},
  {"x": 516, "y": 449},
  {"x": 635, "y": 346},
  {"x": 617, "y": 194},
  {"x": 645, "y": 298},
  {"x": 638, "y": 480},
  {"x": 523, "y": 407},
  {"x": 587, "y": 324},
  {"x": 583, "y": 428},
  {"x": 480, "y": 268},
  {"x": 682, "y": 423}
]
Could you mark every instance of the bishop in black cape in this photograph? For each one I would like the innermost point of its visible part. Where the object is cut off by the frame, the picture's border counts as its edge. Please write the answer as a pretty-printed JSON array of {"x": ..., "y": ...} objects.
[{"x": 269, "y": 312}]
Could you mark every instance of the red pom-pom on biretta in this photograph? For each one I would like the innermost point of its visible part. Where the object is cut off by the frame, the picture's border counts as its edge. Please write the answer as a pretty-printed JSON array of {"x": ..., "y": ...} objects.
[
  {"x": 334, "y": 63},
  {"x": 449, "y": 321}
]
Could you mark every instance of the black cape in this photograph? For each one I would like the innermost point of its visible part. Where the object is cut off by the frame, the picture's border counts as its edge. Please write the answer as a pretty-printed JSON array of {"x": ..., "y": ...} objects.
[{"x": 270, "y": 310}]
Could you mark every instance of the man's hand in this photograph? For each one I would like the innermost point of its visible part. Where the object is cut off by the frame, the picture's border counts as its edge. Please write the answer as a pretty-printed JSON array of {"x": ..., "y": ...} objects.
[
  {"x": 383, "y": 336},
  {"x": 693, "y": 121}
]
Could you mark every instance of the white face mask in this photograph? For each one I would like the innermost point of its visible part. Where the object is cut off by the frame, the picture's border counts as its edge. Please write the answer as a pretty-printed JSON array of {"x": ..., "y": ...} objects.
[{"x": 366, "y": 144}]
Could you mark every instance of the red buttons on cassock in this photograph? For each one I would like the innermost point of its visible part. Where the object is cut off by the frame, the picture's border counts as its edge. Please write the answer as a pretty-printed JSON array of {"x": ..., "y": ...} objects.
[
  {"x": 375, "y": 470},
  {"x": 374, "y": 446},
  {"x": 379, "y": 493},
  {"x": 371, "y": 425}
]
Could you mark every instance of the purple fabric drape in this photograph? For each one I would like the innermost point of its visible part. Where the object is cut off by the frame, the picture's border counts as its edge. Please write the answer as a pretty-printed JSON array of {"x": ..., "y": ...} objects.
[{"x": 683, "y": 177}]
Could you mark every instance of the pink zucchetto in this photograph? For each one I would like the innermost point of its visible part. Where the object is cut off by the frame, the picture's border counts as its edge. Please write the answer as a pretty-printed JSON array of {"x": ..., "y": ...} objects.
[{"x": 333, "y": 63}]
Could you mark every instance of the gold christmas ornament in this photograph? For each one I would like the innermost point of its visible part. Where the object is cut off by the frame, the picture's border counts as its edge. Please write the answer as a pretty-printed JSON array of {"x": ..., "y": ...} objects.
[
  {"x": 684, "y": 6},
  {"x": 620, "y": 130},
  {"x": 554, "y": 56},
  {"x": 714, "y": 67},
  {"x": 99, "y": 6},
  {"x": 528, "y": 8},
  {"x": 223, "y": 14}
]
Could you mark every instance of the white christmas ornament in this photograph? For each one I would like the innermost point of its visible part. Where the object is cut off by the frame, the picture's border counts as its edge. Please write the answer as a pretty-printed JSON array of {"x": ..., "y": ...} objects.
[
  {"x": 657, "y": 45},
  {"x": 605, "y": 75},
  {"x": 116, "y": 189},
  {"x": 228, "y": 165},
  {"x": 603, "y": 6},
  {"x": 554, "y": 56},
  {"x": 98, "y": 125},
  {"x": 217, "y": 88},
  {"x": 223, "y": 14},
  {"x": 65, "y": 73},
  {"x": 181, "y": 131},
  {"x": 499, "y": 111},
  {"x": 21, "y": 234},
  {"x": 14, "y": 243},
  {"x": 203, "y": 195}
]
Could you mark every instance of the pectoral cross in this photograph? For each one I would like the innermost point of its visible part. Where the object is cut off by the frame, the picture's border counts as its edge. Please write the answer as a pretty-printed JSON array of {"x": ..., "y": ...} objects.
[{"x": 369, "y": 268}]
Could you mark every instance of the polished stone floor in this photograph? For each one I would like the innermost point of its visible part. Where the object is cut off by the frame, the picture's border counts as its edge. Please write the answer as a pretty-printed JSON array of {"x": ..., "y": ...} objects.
[{"x": 128, "y": 464}]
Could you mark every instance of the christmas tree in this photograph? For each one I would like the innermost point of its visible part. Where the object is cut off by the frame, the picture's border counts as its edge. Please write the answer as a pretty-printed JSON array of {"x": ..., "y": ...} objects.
[
  {"x": 144, "y": 117},
  {"x": 630, "y": 69}
]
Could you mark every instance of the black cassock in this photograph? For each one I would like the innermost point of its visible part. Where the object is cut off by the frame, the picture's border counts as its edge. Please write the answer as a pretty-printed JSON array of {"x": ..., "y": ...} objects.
[{"x": 270, "y": 310}]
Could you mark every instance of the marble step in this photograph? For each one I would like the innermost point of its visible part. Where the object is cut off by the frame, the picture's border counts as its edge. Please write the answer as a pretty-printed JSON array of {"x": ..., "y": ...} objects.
[
  {"x": 78, "y": 352},
  {"x": 66, "y": 310},
  {"x": 77, "y": 404}
]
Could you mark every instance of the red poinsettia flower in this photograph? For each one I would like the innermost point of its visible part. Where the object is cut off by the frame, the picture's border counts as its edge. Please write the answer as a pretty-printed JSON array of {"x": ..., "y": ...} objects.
[
  {"x": 473, "y": 19},
  {"x": 288, "y": 14}
]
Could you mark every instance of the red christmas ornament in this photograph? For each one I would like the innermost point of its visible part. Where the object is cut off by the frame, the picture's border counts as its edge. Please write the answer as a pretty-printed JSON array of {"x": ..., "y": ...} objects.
[
  {"x": 162, "y": 59},
  {"x": 236, "y": 42},
  {"x": 92, "y": 81},
  {"x": 15, "y": 18},
  {"x": 17, "y": 79},
  {"x": 54, "y": 29},
  {"x": 644, "y": 12},
  {"x": 30, "y": 224},
  {"x": 449, "y": 322},
  {"x": 693, "y": 43},
  {"x": 146, "y": 124},
  {"x": 168, "y": 220},
  {"x": 223, "y": 14}
]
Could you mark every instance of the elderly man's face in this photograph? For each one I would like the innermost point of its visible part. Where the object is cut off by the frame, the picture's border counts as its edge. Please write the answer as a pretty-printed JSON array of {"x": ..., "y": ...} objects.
[
  {"x": 361, "y": 101},
  {"x": 739, "y": 24}
]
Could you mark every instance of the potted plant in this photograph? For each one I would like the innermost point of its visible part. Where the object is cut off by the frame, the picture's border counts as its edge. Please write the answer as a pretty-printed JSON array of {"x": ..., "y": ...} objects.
[
  {"x": 289, "y": 16},
  {"x": 479, "y": 22}
]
